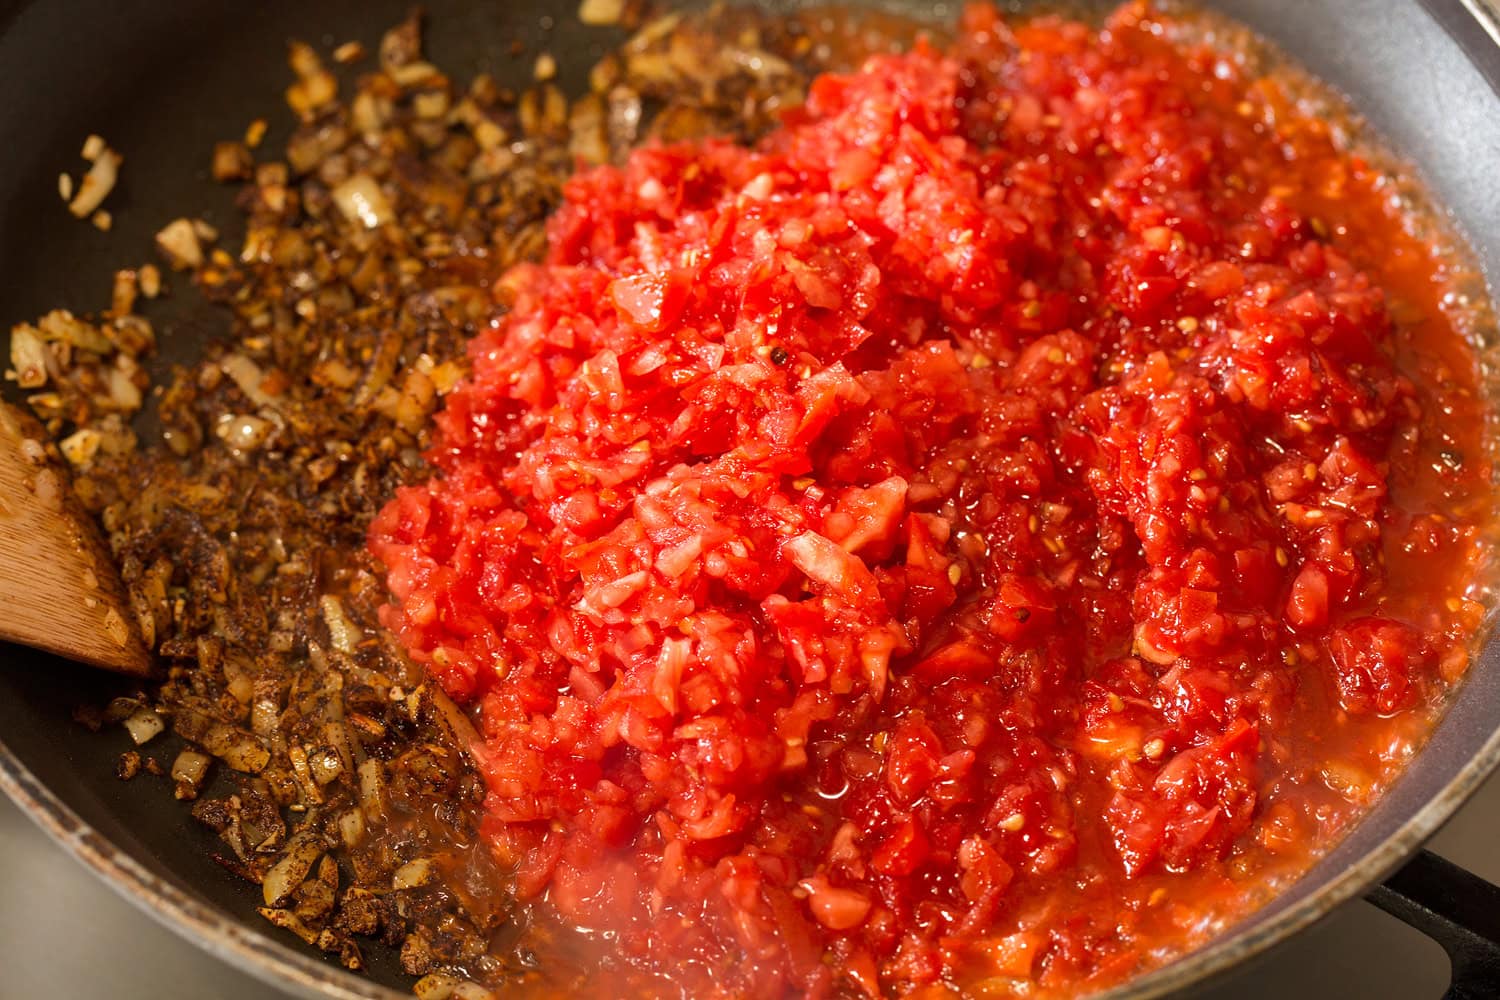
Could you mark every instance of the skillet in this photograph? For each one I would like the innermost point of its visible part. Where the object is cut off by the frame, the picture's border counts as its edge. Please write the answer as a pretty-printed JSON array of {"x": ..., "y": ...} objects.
[{"x": 162, "y": 82}]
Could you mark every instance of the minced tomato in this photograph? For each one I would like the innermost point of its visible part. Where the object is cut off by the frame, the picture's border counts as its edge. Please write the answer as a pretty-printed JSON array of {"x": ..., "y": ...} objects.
[{"x": 992, "y": 531}]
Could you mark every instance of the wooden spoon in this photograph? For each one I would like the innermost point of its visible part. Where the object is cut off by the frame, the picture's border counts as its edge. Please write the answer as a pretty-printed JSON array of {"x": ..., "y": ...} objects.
[{"x": 59, "y": 590}]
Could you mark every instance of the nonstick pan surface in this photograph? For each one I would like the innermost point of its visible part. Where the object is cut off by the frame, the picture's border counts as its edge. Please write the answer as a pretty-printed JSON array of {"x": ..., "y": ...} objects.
[{"x": 162, "y": 81}]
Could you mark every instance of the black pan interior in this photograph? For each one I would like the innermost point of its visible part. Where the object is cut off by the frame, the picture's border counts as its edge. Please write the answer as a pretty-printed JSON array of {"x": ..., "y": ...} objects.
[{"x": 163, "y": 81}]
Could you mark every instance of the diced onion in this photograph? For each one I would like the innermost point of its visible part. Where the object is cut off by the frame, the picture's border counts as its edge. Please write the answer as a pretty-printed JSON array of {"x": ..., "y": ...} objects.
[
  {"x": 96, "y": 184},
  {"x": 438, "y": 986},
  {"x": 413, "y": 874},
  {"x": 343, "y": 633},
  {"x": 601, "y": 12},
  {"x": 301, "y": 854},
  {"x": 144, "y": 725},
  {"x": 178, "y": 240},
  {"x": 362, "y": 201},
  {"x": 28, "y": 357},
  {"x": 247, "y": 376},
  {"x": 190, "y": 767}
]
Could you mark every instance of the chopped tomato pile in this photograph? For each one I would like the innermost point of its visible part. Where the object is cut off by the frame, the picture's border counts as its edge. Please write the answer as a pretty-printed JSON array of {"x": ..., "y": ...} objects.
[{"x": 985, "y": 533}]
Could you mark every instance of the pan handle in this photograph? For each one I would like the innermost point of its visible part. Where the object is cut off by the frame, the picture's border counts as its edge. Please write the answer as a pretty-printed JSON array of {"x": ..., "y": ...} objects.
[{"x": 1457, "y": 909}]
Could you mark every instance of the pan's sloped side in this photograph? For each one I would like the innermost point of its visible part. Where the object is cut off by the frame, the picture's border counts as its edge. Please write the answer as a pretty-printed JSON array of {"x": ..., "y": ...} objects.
[
  {"x": 234, "y": 941},
  {"x": 164, "y": 81}
]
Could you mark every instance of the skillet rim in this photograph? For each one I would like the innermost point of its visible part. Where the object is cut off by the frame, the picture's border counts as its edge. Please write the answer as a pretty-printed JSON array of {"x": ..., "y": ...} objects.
[
  {"x": 200, "y": 924},
  {"x": 276, "y": 963}
]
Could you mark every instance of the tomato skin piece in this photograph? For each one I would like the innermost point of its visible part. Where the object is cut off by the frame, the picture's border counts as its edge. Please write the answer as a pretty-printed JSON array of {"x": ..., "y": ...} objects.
[
  {"x": 1023, "y": 608},
  {"x": 835, "y": 908},
  {"x": 1377, "y": 662},
  {"x": 1307, "y": 606},
  {"x": 903, "y": 850},
  {"x": 913, "y": 757},
  {"x": 1194, "y": 806},
  {"x": 651, "y": 302}
]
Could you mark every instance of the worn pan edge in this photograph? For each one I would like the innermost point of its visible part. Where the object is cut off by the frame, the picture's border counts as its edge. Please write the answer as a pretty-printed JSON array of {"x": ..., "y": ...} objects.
[
  {"x": 258, "y": 954},
  {"x": 242, "y": 946},
  {"x": 1269, "y": 929},
  {"x": 1487, "y": 15},
  {"x": 289, "y": 968}
]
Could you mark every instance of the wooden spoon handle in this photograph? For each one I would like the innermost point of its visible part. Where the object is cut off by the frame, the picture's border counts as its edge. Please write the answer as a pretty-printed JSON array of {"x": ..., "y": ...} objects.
[{"x": 59, "y": 590}]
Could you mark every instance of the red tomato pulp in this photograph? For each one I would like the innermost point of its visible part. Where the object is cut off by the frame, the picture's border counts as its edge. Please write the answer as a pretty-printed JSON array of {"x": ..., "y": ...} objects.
[{"x": 993, "y": 531}]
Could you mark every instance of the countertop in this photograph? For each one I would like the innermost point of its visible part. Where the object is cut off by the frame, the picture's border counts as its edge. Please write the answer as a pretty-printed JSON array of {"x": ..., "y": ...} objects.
[{"x": 65, "y": 935}]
